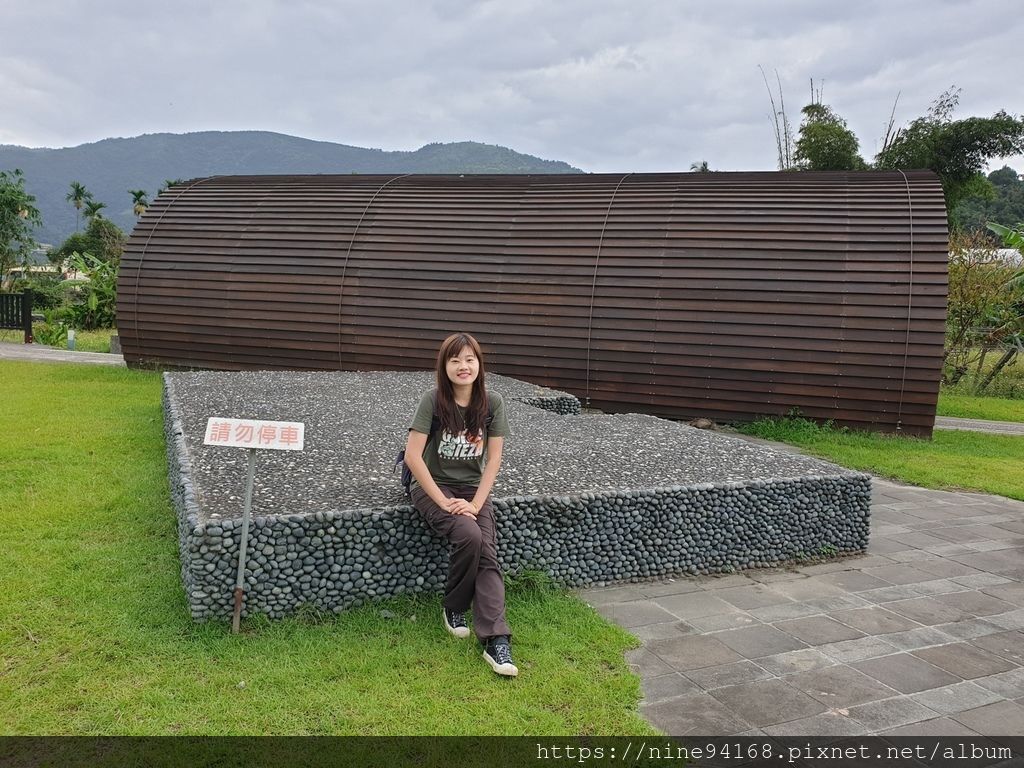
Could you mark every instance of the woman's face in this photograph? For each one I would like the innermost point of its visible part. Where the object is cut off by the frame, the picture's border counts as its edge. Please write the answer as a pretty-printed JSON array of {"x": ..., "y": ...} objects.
[{"x": 463, "y": 367}]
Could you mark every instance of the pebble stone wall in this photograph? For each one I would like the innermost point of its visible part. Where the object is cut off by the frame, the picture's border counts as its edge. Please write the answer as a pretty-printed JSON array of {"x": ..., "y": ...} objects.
[{"x": 589, "y": 499}]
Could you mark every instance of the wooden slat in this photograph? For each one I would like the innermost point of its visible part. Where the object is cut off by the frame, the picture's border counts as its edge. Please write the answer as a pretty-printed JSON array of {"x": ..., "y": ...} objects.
[{"x": 728, "y": 295}]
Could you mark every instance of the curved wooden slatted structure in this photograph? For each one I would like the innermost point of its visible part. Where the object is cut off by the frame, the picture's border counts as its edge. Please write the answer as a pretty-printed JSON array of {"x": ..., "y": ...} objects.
[{"x": 726, "y": 295}]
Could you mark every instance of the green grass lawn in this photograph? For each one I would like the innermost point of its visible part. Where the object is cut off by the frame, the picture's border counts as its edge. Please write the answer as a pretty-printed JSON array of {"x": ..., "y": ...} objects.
[
  {"x": 953, "y": 403},
  {"x": 952, "y": 459},
  {"x": 85, "y": 341},
  {"x": 95, "y": 636}
]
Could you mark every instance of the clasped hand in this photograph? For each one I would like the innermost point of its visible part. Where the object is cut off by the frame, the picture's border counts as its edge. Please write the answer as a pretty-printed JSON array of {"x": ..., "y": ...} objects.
[{"x": 458, "y": 506}]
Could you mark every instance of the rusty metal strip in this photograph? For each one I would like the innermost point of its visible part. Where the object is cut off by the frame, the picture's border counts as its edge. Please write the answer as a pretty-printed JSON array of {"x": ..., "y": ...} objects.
[
  {"x": 593, "y": 285},
  {"x": 910, "y": 305},
  {"x": 142, "y": 254},
  {"x": 348, "y": 252}
]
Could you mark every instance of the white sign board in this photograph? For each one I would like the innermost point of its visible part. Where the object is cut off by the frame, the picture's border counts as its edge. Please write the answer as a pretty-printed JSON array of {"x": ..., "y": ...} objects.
[{"x": 254, "y": 433}]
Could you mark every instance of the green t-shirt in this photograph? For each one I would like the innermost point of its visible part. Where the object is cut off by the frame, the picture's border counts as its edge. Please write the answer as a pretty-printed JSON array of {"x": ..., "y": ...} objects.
[{"x": 452, "y": 459}]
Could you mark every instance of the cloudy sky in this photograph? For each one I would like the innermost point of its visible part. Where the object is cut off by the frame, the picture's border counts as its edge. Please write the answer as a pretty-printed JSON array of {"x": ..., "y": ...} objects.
[{"x": 606, "y": 85}]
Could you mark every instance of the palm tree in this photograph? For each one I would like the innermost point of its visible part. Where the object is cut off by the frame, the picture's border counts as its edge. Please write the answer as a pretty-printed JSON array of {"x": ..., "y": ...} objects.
[
  {"x": 78, "y": 196},
  {"x": 93, "y": 208},
  {"x": 701, "y": 167},
  {"x": 139, "y": 201}
]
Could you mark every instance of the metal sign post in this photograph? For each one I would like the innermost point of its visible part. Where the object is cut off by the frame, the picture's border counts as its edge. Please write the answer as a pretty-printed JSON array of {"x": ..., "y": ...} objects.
[
  {"x": 252, "y": 435},
  {"x": 244, "y": 543}
]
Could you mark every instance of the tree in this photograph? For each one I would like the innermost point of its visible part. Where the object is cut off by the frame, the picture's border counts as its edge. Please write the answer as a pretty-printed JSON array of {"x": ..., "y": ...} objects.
[
  {"x": 139, "y": 201},
  {"x": 701, "y": 167},
  {"x": 93, "y": 208},
  {"x": 957, "y": 150},
  {"x": 18, "y": 215},
  {"x": 825, "y": 143},
  {"x": 78, "y": 196},
  {"x": 1001, "y": 198},
  {"x": 102, "y": 238}
]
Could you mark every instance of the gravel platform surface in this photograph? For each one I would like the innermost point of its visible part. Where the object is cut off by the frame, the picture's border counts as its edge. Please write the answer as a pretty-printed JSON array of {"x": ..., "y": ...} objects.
[
  {"x": 357, "y": 422},
  {"x": 588, "y": 499}
]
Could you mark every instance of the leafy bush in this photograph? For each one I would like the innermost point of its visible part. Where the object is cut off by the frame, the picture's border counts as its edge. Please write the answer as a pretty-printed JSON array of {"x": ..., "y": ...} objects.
[
  {"x": 48, "y": 290},
  {"x": 984, "y": 311},
  {"x": 97, "y": 302},
  {"x": 53, "y": 332}
]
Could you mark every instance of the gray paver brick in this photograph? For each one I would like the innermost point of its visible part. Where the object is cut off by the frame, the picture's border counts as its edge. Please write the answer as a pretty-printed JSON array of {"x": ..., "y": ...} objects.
[
  {"x": 1001, "y": 718},
  {"x": 773, "y": 613},
  {"x": 724, "y": 621},
  {"x": 928, "y": 610},
  {"x": 754, "y": 596},
  {"x": 890, "y": 594},
  {"x": 964, "y": 660},
  {"x": 645, "y": 664},
  {"x": 937, "y": 587},
  {"x": 840, "y": 686},
  {"x": 1009, "y": 685},
  {"x": 662, "y": 631},
  {"x": 667, "y": 687},
  {"x": 874, "y": 620},
  {"x": 693, "y": 652},
  {"x": 975, "y": 603},
  {"x": 818, "y": 630},
  {"x": 959, "y": 697},
  {"x": 947, "y": 568},
  {"x": 905, "y": 673},
  {"x": 605, "y": 595},
  {"x": 913, "y": 639},
  {"x": 825, "y": 724},
  {"x": 804, "y": 660},
  {"x": 1011, "y": 620},
  {"x": 854, "y": 581},
  {"x": 672, "y": 587},
  {"x": 1011, "y": 592},
  {"x": 634, "y": 614},
  {"x": 694, "y": 605},
  {"x": 982, "y": 580},
  {"x": 899, "y": 574},
  {"x": 764, "y": 640},
  {"x": 768, "y": 702},
  {"x": 694, "y": 715},
  {"x": 1008, "y": 645},
  {"x": 886, "y": 714},
  {"x": 858, "y": 649},
  {"x": 737, "y": 673},
  {"x": 807, "y": 589},
  {"x": 968, "y": 630},
  {"x": 939, "y": 726}
]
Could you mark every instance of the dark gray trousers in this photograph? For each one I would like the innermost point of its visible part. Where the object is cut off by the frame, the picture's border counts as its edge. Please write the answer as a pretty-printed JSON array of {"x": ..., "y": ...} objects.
[{"x": 474, "y": 576}]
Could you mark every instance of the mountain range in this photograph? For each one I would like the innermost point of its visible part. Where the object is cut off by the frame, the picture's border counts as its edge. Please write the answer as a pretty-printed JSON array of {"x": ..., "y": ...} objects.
[{"x": 109, "y": 168}]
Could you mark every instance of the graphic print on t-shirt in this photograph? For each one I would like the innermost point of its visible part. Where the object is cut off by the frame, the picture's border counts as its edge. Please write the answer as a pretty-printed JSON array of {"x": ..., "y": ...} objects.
[{"x": 459, "y": 448}]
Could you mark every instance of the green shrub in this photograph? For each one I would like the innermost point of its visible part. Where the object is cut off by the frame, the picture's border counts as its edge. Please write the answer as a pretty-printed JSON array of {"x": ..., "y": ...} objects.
[
  {"x": 54, "y": 331},
  {"x": 97, "y": 303}
]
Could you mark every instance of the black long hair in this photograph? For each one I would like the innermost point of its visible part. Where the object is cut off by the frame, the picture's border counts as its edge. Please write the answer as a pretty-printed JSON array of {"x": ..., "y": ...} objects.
[{"x": 447, "y": 411}]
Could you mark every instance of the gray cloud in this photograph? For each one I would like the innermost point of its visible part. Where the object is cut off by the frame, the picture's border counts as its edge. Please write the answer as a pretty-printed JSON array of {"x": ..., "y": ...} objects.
[{"x": 603, "y": 84}]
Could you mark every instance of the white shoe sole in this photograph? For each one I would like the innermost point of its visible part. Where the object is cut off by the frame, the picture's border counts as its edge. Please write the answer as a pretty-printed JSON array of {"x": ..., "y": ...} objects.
[
  {"x": 460, "y": 632},
  {"x": 507, "y": 670}
]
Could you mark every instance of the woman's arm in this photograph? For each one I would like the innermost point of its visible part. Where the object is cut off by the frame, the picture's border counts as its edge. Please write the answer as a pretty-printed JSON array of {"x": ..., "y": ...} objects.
[
  {"x": 494, "y": 446},
  {"x": 414, "y": 460}
]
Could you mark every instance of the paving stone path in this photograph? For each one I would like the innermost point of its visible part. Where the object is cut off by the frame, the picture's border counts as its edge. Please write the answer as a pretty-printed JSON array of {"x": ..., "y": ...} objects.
[
  {"x": 921, "y": 636},
  {"x": 42, "y": 354}
]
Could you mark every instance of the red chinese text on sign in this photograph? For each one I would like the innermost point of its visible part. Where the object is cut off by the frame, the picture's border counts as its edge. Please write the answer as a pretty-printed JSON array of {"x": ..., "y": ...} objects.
[{"x": 255, "y": 433}]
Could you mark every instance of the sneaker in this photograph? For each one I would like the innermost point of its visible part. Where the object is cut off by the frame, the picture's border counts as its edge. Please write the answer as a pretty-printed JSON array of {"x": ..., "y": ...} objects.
[
  {"x": 498, "y": 653},
  {"x": 455, "y": 622}
]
